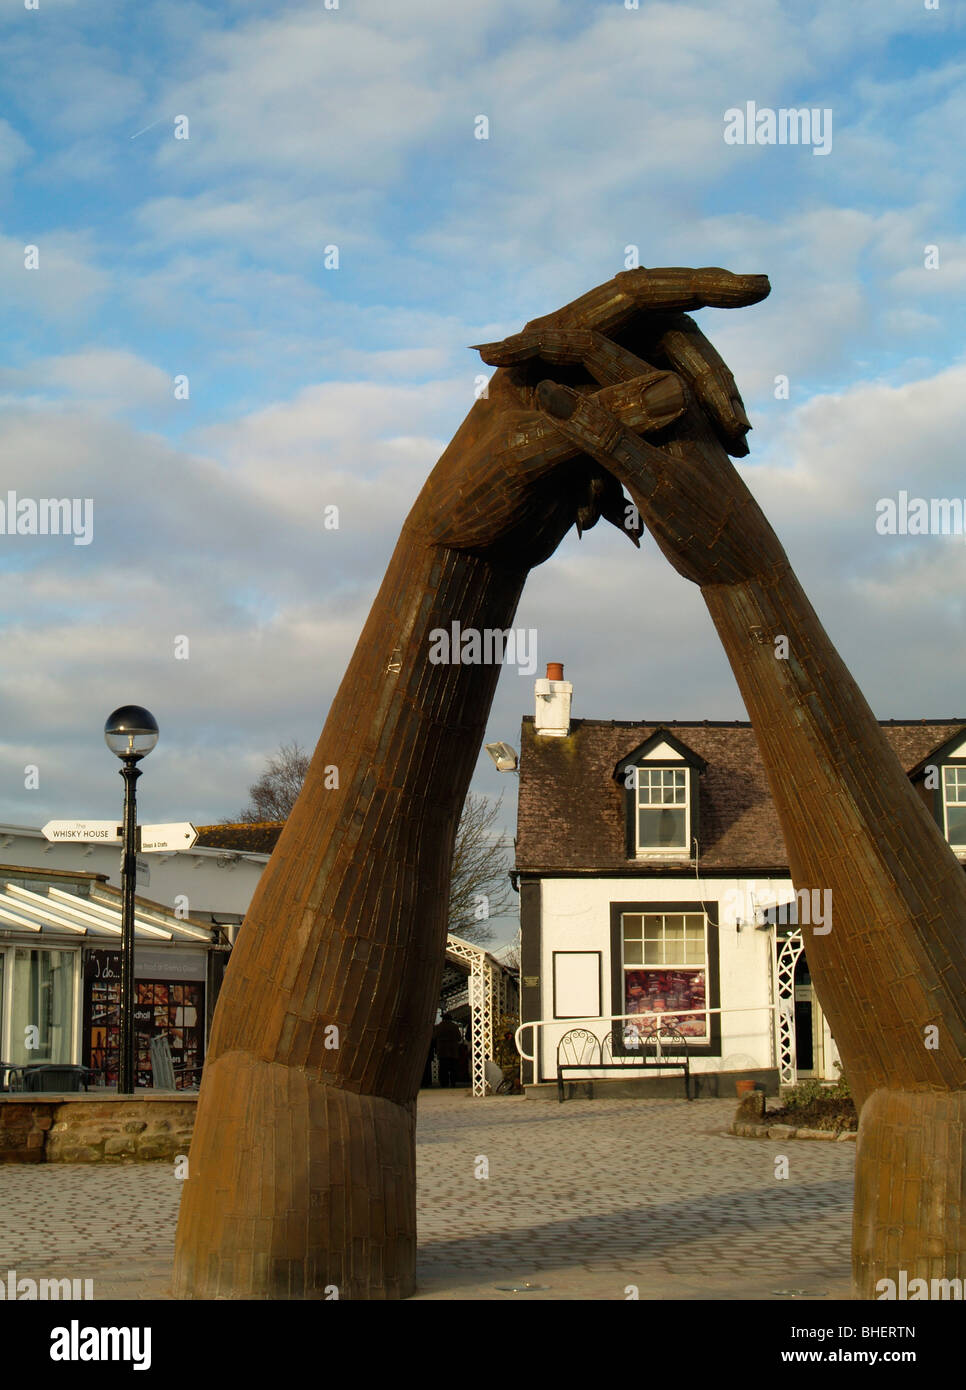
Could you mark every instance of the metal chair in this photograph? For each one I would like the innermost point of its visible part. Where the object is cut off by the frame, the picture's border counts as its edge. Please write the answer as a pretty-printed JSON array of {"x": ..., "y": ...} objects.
[
  {"x": 577, "y": 1050},
  {"x": 163, "y": 1070},
  {"x": 661, "y": 1047},
  {"x": 9, "y": 1075},
  {"x": 16, "y": 1074},
  {"x": 54, "y": 1076}
]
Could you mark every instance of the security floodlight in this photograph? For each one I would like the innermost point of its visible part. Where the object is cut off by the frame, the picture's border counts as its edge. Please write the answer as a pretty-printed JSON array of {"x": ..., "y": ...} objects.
[{"x": 503, "y": 756}]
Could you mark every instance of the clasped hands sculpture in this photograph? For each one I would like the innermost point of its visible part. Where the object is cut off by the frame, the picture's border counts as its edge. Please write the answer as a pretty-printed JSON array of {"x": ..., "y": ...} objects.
[
  {"x": 302, "y": 1167},
  {"x": 516, "y": 478}
]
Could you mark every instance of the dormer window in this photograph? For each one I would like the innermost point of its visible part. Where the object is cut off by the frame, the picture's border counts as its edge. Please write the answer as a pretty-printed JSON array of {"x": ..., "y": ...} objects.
[
  {"x": 940, "y": 779},
  {"x": 660, "y": 780},
  {"x": 954, "y": 805},
  {"x": 662, "y": 808}
]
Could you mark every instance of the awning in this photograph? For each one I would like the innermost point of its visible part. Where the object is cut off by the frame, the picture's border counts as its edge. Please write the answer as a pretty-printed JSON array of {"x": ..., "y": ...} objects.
[{"x": 53, "y": 911}]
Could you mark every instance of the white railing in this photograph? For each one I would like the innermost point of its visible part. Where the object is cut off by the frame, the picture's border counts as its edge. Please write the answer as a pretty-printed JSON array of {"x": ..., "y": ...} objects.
[{"x": 565, "y": 1023}]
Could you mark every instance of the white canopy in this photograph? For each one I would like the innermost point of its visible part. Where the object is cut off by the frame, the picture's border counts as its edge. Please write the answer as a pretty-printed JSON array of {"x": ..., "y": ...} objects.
[{"x": 51, "y": 911}]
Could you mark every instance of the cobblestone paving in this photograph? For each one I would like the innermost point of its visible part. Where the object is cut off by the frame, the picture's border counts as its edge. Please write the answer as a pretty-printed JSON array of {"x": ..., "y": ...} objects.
[
  {"x": 592, "y": 1196},
  {"x": 587, "y": 1198}
]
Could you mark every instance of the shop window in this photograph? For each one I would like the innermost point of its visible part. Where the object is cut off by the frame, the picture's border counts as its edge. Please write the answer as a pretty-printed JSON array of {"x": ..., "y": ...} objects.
[
  {"x": 665, "y": 971},
  {"x": 175, "y": 1007},
  {"x": 42, "y": 1008}
]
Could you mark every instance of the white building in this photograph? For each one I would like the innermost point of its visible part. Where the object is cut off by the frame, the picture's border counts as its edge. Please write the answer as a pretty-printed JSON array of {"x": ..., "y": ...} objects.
[{"x": 654, "y": 884}]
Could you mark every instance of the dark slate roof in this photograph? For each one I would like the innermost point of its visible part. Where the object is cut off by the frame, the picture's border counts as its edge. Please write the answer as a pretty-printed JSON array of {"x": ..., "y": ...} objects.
[
  {"x": 258, "y": 837},
  {"x": 571, "y": 814}
]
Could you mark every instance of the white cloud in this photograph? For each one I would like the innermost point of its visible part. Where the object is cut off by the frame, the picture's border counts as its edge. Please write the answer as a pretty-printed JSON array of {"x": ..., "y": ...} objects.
[
  {"x": 359, "y": 445},
  {"x": 66, "y": 282},
  {"x": 888, "y": 600},
  {"x": 112, "y": 379},
  {"x": 13, "y": 148},
  {"x": 312, "y": 92}
]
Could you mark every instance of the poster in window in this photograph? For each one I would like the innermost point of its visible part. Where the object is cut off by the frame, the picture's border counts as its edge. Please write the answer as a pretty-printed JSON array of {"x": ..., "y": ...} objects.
[
  {"x": 668, "y": 991},
  {"x": 160, "y": 1006}
]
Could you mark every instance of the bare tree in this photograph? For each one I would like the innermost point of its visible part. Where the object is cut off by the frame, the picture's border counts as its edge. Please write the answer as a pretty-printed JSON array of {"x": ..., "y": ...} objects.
[
  {"x": 511, "y": 956},
  {"x": 274, "y": 794},
  {"x": 479, "y": 885}
]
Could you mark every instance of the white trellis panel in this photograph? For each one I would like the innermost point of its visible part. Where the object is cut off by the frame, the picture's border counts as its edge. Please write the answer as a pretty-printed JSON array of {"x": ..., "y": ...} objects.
[
  {"x": 788, "y": 951},
  {"x": 482, "y": 985}
]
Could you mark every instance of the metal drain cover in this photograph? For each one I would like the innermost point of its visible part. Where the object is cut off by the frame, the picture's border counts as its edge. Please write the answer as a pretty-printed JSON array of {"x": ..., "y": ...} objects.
[
  {"x": 800, "y": 1293},
  {"x": 524, "y": 1286}
]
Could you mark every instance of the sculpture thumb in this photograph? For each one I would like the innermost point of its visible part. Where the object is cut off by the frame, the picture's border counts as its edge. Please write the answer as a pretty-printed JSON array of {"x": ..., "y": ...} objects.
[{"x": 602, "y": 435}]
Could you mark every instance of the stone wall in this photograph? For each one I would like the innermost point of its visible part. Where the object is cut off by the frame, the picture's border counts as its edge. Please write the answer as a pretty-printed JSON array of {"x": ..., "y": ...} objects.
[
  {"x": 23, "y": 1131},
  {"x": 83, "y": 1130}
]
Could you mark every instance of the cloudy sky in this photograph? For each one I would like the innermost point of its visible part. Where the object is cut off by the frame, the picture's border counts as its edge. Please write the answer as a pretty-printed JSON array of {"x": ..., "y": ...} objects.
[{"x": 310, "y": 126}]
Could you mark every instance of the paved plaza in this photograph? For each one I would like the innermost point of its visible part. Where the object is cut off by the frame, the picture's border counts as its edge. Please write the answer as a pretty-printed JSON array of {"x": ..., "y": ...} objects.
[{"x": 585, "y": 1198}]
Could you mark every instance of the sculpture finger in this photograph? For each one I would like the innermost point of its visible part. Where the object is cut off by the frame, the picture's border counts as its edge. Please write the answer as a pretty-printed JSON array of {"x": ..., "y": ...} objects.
[
  {"x": 606, "y": 361},
  {"x": 680, "y": 288},
  {"x": 647, "y": 404},
  {"x": 675, "y": 288},
  {"x": 515, "y": 481},
  {"x": 643, "y": 469},
  {"x": 589, "y": 426},
  {"x": 689, "y": 352},
  {"x": 695, "y": 505},
  {"x": 605, "y": 498}
]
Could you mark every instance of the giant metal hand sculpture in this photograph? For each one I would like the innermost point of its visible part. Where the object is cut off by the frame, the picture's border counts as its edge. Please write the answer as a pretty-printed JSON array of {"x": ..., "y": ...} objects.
[
  {"x": 302, "y": 1163},
  {"x": 302, "y": 1166}
]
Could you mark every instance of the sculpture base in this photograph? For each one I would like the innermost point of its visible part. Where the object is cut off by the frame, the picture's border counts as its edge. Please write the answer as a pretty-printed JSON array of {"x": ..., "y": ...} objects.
[
  {"x": 313, "y": 1198},
  {"x": 910, "y": 1183}
]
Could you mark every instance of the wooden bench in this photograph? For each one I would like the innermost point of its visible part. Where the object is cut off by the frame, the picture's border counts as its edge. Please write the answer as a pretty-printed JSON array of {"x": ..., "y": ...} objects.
[{"x": 662, "y": 1048}]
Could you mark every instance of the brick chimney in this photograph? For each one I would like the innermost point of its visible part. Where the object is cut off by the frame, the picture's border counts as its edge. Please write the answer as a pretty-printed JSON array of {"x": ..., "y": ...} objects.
[{"x": 553, "y": 695}]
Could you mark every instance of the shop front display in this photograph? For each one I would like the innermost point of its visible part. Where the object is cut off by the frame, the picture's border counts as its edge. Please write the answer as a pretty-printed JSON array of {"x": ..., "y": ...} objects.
[
  {"x": 665, "y": 971},
  {"x": 665, "y": 993},
  {"x": 169, "y": 1001}
]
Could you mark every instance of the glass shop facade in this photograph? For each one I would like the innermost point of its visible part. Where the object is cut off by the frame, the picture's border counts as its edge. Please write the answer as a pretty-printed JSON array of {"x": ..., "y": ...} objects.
[{"x": 60, "y": 975}]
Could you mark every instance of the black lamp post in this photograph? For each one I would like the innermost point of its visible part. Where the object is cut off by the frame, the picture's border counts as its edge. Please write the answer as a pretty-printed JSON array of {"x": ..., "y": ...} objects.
[{"x": 130, "y": 733}]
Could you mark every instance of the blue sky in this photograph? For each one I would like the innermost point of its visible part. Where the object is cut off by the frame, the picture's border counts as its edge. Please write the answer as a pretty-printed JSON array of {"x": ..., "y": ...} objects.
[{"x": 311, "y": 127}]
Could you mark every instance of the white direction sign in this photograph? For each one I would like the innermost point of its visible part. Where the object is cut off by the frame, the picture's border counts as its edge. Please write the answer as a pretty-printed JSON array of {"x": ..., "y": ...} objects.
[
  {"x": 107, "y": 832},
  {"x": 180, "y": 835}
]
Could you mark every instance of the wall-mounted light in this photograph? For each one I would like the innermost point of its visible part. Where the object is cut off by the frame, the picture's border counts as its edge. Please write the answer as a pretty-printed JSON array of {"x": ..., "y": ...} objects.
[{"x": 503, "y": 755}]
